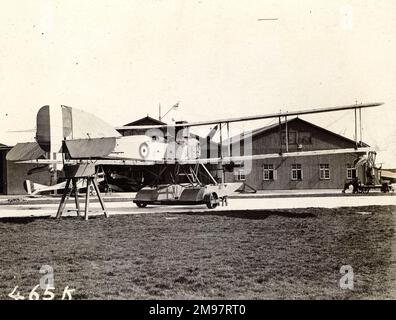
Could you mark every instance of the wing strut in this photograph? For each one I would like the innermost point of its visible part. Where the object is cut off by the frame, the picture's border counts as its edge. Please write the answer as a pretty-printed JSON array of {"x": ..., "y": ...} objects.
[
  {"x": 221, "y": 152},
  {"x": 209, "y": 174},
  {"x": 360, "y": 122},
  {"x": 356, "y": 138},
  {"x": 228, "y": 140},
  {"x": 280, "y": 136},
  {"x": 286, "y": 136}
]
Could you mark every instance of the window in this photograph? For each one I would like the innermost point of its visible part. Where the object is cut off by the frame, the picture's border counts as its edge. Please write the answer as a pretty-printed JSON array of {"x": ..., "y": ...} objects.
[
  {"x": 296, "y": 172},
  {"x": 351, "y": 172},
  {"x": 240, "y": 175},
  {"x": 324, "y": 171},
  {"x": 268, "y": 172}
]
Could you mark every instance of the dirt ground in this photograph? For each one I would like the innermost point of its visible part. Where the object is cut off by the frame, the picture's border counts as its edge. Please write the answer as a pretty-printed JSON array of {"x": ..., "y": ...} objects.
[{"x": 273, "y": 254}]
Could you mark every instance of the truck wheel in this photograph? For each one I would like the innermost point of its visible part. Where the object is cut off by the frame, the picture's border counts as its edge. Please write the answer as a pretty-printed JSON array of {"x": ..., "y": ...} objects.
[
  {"x": 385, "y": 188},
  {"x": 211, "y": 200},
  {"x": 141, "y": 204}
]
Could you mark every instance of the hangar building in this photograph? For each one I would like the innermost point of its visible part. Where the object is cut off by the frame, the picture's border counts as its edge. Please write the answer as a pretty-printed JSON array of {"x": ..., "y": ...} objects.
[{"x": 309, "y": 172}]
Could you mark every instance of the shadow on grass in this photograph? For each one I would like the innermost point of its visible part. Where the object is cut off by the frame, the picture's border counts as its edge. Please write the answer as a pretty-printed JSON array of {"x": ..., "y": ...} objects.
[
  {"x": 23, "y": 220},
  {"x": 27, "y": 220},
  {"x": 255, "y": 215}
]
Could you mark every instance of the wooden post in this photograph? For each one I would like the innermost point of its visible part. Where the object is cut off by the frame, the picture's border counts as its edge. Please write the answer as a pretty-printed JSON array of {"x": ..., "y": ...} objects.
[
  {"x": 65, "y": 197},
  {"x": 100, "y": 198},
  {"x": 54, "y": 174},
  {"x": 87, "y": 199},
  {"x": 75, "y": 190}
]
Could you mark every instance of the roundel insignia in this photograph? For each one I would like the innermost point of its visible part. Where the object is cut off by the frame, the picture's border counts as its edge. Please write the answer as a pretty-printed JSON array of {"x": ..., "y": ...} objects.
[{"x": 144, "y": 150}]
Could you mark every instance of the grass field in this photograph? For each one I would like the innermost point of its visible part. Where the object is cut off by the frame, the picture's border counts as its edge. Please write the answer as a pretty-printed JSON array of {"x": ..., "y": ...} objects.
[{"x": 286, "y": 254}]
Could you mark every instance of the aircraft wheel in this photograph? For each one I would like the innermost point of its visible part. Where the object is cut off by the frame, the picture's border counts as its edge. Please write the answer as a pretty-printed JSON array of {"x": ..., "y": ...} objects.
[
  {"x": 211, "y": 200},
  {"x": 141, "y": 204}
]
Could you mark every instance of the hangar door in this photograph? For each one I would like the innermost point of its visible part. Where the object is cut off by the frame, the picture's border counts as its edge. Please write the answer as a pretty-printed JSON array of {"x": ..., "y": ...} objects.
[
  {"x": 3, "y": 169},
  {"x": 3, "y": 173}
]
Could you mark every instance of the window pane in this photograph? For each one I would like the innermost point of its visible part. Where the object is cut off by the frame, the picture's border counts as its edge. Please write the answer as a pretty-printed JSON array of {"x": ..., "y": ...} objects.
[
  {"x": 351, "y": 173},
  {"x": 265, "y": 175},
  {"x": 299, "y": 176}
]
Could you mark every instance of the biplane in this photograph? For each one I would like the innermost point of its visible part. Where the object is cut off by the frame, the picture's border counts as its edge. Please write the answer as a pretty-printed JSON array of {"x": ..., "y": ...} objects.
[{"x": 76, "y": 142}]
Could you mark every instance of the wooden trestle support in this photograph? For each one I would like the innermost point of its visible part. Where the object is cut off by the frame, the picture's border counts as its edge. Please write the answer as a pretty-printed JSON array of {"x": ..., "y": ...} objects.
[{"x": 74, "y": 173}]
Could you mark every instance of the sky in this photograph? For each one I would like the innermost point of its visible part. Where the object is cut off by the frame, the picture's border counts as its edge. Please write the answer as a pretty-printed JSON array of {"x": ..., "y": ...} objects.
[{"x": 121, "y": 59}]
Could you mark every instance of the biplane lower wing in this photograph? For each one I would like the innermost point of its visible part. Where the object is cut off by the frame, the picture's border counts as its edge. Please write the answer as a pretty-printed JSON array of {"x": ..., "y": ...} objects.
[
  {"x": 225, "y": 160},
  {"x": 217, "y": 160}
]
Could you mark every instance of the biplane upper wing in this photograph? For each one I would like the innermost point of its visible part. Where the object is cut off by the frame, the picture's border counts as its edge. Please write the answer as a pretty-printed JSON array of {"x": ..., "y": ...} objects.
[{"x": 259, "y": 117}]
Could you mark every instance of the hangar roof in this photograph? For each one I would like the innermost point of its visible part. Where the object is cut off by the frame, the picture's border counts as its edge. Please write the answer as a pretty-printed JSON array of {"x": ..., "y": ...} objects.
[
  {"x": 145, "y": 121},
  {"x": 275, "y": 126}
]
